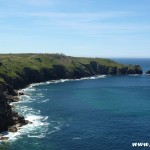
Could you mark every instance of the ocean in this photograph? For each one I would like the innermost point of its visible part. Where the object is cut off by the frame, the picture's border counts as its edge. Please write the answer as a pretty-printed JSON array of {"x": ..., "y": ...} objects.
[{"x": 97, "y": 113}]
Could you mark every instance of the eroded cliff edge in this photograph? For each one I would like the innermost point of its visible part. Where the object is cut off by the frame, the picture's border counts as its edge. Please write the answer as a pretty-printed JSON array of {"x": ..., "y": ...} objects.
[
  {"x": 20, "y": 70},
  {"x": 9, "y": 119}
]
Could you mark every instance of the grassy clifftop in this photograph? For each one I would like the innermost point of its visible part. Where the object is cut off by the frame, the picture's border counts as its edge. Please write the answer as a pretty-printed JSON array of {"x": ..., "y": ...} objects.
[
  {"x": 16, "y": 62},
  {"x": 19, "y": 70}
]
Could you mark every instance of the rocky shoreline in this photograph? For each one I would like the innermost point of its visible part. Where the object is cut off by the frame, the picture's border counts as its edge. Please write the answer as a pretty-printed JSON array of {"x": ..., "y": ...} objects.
[
  {"x": 18, "y": 71},
  {"x": 12, "y": 121}
]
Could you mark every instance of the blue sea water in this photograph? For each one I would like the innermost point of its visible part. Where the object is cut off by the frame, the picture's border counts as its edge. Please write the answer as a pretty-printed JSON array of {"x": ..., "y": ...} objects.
[{"x": 99, "y": 113}]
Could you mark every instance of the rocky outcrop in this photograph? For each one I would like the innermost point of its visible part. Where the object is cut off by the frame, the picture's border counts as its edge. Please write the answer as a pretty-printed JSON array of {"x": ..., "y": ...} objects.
[
  {"x": 148, "y": 72},
  {"x": 8, "y": 118},
  {"x": 125, "y": 70}
]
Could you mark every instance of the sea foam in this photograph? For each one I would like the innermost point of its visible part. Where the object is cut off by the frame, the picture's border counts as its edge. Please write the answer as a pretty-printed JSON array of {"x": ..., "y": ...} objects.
[
  {"x": 38, "y": 127},
  {"x": 31, "y": 87}
]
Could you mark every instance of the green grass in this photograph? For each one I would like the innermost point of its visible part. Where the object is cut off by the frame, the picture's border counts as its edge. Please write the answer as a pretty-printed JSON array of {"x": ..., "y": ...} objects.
[
  {"x": 2, "y": 80},
  {"x": 12, "y": 64}
]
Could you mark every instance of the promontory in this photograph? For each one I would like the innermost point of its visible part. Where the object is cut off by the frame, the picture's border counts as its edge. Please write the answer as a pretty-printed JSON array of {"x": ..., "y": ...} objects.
[{"x": 19, "y": 70}]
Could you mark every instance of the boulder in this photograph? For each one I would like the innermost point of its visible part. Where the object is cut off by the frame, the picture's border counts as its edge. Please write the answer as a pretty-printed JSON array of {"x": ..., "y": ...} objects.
[
  {"x": 12, "y": 129},
  {"x": 21, "y": 93},
  {"x": 4, "y": 138},
  {"x": 148, "y": 72}
]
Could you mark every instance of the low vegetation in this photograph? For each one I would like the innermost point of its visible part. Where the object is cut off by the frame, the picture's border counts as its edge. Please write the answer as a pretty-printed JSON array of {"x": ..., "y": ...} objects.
[{"x": 19, "y": 70}]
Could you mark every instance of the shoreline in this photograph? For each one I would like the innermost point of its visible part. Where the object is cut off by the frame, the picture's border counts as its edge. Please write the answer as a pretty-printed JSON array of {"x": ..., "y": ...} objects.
[
  {"x": 4, "y": 136},
  {"x": 14, "y": 99}
]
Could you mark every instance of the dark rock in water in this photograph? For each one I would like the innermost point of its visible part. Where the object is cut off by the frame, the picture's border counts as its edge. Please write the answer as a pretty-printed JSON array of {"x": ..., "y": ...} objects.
[
  {"x": 21, "y": 120},
  {"x": 20, "y": 93},
  {"x": 12, "y": 129},
  {"x": 29, "y": 122},
  {"x": 12, "y": 98},
  {"x": 24, "y": 122},
  {"x": 148, "y": 72},
  {"x": 15, "y": 99},
  {"x": 4, "y": 138}
]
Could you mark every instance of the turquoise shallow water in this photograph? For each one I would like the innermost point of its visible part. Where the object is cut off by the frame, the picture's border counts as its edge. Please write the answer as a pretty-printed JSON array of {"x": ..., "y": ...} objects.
[{"x": 105, "y": 113}]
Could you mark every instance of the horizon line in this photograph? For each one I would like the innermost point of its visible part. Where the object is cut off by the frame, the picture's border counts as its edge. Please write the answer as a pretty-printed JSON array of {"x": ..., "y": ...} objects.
[{"x": 109, "y": 57}]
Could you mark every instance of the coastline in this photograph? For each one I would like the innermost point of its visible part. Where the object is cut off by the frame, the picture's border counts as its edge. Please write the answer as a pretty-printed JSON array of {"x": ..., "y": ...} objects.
[
  {"x": 13, "y": 131},
  {"x": 4, "y": 136},
  {"x": 20, "y": 120},
  {"x": 47, "y": 68}
]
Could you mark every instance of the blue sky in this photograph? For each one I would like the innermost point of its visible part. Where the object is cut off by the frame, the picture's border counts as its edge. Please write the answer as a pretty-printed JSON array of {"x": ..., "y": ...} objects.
[{"x": 95, "y": 28}]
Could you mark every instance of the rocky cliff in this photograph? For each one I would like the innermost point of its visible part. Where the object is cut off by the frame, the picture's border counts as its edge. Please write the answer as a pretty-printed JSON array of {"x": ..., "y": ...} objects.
[
  {"x": 20, "y": 70},
  {"x": 9, "y": 119}
]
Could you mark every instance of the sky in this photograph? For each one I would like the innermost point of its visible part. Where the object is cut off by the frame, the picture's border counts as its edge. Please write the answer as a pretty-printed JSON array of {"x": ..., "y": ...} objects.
[{"x": 90, "y": 28}]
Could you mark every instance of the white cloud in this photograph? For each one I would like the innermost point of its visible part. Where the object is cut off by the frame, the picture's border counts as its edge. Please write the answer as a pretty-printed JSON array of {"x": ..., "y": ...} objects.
[{"x": 92, "y": 24}]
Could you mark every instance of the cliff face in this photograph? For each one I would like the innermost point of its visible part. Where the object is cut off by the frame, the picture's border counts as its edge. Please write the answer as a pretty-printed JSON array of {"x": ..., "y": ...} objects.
[
  {"x": 8, "y": 118},
  {"x": 4, "y": 110},
  {"x": 18, "y": 71},
  {"x": 61, "y": 72}
]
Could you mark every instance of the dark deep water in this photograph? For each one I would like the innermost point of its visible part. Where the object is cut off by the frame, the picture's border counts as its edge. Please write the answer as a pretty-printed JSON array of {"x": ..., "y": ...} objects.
[{"x": 105, "y": 113}]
